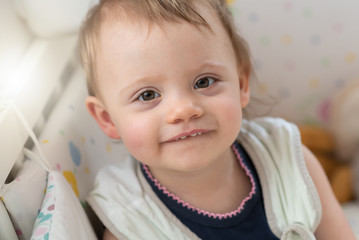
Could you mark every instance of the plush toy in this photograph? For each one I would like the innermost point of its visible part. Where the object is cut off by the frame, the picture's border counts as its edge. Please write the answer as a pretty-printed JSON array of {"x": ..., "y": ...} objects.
[
  {"x": 321, "y": 142},
  {"x": 345, "y": 128},
  {"x": 337, "y": 147}
]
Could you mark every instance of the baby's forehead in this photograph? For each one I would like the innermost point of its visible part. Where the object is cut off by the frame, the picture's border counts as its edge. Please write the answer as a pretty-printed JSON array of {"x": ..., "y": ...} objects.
[
  {"x": 127, "y": 11},
  {"x": 126, "y": 30},
  {"x": 143, "y": 34}
]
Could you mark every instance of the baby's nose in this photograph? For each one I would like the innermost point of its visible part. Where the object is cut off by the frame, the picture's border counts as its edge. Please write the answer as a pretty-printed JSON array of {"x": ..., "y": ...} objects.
[{"x": 184, "y": 110}]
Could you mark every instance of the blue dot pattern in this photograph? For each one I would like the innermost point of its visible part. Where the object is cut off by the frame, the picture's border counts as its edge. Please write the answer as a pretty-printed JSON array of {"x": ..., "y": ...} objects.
[{"x": 75, "y": 154}]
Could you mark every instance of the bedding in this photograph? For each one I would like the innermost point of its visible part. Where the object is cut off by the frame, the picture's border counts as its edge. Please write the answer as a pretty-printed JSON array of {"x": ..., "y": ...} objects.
[
  {"x": 23, "y": 197},
  {"x": 61, "y": 215},
  {"x": 77, "y": 146}
]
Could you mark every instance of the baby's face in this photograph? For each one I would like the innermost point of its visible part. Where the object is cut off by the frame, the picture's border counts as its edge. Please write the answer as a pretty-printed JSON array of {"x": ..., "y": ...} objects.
[{"x": 172, "y": 92}]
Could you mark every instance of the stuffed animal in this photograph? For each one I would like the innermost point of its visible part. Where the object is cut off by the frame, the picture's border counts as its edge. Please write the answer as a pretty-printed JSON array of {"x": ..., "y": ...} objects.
[
  {"x": 321, "y": 142},
  {"x": 337, "y": 147},
  {"x": 344, "y": 124}
]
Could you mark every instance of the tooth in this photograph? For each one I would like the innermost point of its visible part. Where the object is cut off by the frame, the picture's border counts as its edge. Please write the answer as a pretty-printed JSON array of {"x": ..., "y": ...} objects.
[
  {"x": 193, "y": 135},
  {"x": 199, "y": 133},
  {"x": 183, "y": 137}
]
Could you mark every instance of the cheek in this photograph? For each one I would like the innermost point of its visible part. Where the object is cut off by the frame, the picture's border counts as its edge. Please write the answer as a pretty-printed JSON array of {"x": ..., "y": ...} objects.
[
  {"x": 137, "y": 135},
  {"x": 231, "y": 115}
]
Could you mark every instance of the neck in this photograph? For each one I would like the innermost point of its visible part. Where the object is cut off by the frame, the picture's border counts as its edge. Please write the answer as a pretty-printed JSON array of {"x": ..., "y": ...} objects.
[{"x": 223, "y": 182}]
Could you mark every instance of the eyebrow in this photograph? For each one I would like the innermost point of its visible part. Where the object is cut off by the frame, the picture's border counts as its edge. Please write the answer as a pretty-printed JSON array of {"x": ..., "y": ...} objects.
[
  {"x": 139, "y": 81},
  {"x": 213, "y": 64}
]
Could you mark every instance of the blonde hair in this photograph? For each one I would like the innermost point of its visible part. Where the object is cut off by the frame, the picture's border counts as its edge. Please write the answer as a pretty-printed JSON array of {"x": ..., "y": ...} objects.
[{"x": 154, "y": 12}]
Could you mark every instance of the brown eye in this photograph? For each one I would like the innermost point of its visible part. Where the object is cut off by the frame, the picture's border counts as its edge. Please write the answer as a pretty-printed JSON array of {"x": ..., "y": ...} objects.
[
  {"x": 204, "y": 82},
  {"x": 148, "y": 95}
]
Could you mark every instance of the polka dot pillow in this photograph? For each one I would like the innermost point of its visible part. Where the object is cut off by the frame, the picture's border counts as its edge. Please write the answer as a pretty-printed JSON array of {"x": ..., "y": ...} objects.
[
  {"x": 61, "y": 215},
  {"x": 73, "y": 142}
]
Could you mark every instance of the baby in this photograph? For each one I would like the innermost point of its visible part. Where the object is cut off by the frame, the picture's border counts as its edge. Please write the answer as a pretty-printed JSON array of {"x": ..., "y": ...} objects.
[{"x": 170, "y": 78}]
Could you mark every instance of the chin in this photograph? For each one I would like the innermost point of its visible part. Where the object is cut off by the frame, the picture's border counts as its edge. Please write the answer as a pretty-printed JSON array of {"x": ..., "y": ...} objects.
[{"x": 191, "y": 163}]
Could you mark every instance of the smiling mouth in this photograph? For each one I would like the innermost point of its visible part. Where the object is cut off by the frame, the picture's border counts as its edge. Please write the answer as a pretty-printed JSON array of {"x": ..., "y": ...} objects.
[
  {"x": 184, "y": 137},
  {"x": 188, "y": 135}
]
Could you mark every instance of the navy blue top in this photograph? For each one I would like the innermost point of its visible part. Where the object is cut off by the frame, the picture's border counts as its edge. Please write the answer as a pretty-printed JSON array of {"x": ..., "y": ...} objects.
[{"x": 248, "y": 222}]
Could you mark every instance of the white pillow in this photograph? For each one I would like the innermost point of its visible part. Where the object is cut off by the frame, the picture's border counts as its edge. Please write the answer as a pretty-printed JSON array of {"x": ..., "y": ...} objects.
[
  {"x": 61, "y": 215},
  {"x": 23, "y": 197},
  {"x": 72, "y": 141}
]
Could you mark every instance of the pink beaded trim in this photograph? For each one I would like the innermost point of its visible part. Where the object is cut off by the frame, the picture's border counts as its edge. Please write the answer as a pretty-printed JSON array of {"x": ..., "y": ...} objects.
[{"x": 200, "y": 211}]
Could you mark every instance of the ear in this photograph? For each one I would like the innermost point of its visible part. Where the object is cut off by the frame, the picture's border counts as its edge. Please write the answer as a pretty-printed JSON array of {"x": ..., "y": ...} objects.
[
  {"x": 244, "y": 89},
  {"x": 98, "y": 111}
]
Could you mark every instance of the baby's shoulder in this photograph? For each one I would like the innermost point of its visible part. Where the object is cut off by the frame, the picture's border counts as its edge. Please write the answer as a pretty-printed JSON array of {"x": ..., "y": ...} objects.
[
  {"x": 122, "y": 173},
  {"x": 270, "y": 130}
]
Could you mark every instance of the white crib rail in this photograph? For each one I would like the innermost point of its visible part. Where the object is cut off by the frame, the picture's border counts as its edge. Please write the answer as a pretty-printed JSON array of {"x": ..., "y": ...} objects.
[{"x": 32, "y": 87}]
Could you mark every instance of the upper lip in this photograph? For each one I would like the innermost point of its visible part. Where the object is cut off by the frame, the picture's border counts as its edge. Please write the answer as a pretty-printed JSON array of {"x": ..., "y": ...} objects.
[{"x": 186, "y": 134}]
